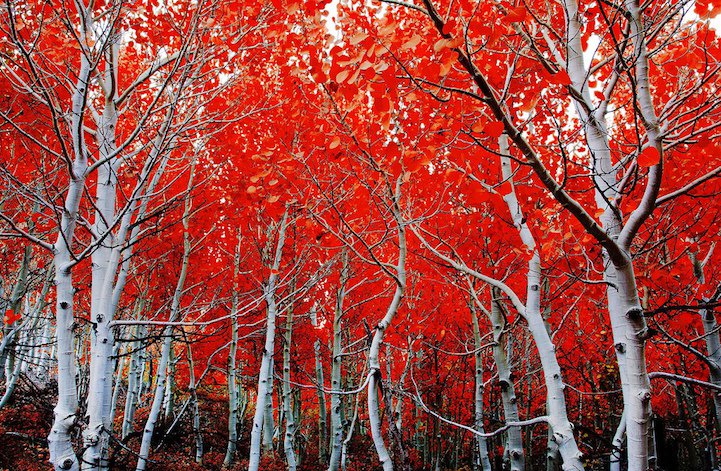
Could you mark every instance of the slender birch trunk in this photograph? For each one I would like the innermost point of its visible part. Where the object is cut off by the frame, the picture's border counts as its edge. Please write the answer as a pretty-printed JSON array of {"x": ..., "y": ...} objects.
[
  {"x": 481, "y": 460},
  {"x": 193, "y": 389},
  {"x": 628, "y": 323},
  {"x": 711, "y": 329},
  {"x": 62, "y": 455},
  {"x": 374, "y": 383},
  {"x": 45, "y": 352},
  {"x": 268, "y": 414},
  {"x": 351, "y": 429},
  {"x": 265, "y": 373},
  {"x": 336, "y": 422},
  {"x": 556, "y": 399},
  {"x": 514, "y": 440},
  {"x": 10, "y": 360},
  {"x": 134, "y": 382},
  {"x": 118, "y": 384},
  {"x": 713, "y": 351},
  {"x": 232, "y": 366},
  {"x": 167, "y": 342},
  {"x": 290, "y": 426},
  {"x": 168, "y": 397},
  {"x": 322, "y": 414}
]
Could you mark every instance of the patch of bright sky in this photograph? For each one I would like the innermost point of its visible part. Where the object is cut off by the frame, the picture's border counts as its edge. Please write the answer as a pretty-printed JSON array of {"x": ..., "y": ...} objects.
[{"x": 332, "y": 17}]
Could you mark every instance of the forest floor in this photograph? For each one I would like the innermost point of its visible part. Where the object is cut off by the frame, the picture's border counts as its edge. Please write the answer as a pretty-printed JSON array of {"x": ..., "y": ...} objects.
[{"x": 26, "y": 420}]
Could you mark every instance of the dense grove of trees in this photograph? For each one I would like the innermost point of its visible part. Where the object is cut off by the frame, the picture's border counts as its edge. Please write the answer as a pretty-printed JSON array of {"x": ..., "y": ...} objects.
[{"x": 350, "y": 235}]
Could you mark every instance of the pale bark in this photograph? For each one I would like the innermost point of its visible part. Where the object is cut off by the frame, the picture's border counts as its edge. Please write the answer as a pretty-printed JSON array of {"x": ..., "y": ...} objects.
[
  {"x": 62, "y": 455},
  {"x": 134, "y": 382},
  {"x": 711, "y": 330},
  {"x": 322, "y": 413},
  {"x": 482, "y": 461},
  {"x": 11, "y": 376},
  {"x": 232, "y": 367},
  {"x": 269, "y": 413},
  {"x": 336, "y": 422},
  {"x": 288, "y": 414},
  {"x": 119, "y": 366},
  {"x": 11, "y": 350},
  {"x": 265, "y": 373},
  {"x": 351, "y": 429},
  {"x": 713, "y": 350},
  {"x": 374, "y": 383},
  {"x": 617, "y": 443},
  {"x": 556, "y": 399},
  {"x": 43, "y": 369},
  {"x": 167, "y": 343},
  {"x": 628, "y": 324},
  {"x": 193, "y": 389},
  {"x": 513, "y": 452},
  {"x": 169, "y": 396}
]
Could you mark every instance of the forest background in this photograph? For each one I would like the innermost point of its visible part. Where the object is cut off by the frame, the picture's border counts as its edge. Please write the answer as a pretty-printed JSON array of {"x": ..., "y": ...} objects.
[{"x": 408, "y": 235}]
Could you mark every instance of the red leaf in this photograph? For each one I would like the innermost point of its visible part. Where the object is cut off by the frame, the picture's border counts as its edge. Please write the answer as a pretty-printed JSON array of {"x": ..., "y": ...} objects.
[
  {"x": 449, "y": 27},
  {"x": 11, "y": 316},
  {"x": 561, "y": 78},
  {"x": 516, "y": 14},
  {"x": 506, "y": 188},
  {"x": 494, "y": 129},
  {"x": 649, "y": 157}
]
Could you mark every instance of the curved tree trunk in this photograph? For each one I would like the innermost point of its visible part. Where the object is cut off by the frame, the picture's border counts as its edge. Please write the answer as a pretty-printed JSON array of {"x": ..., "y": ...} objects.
[{"x": 374, "y": 383}]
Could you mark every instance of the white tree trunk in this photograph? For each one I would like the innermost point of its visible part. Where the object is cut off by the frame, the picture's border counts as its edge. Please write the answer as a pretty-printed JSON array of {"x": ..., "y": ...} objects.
[
  {"x": 167, "y": 343},
  {"x": 349, "y": 435},
  {"x": 628, "y": 324},
  {"x": 556, "y": 399},
  {"x": 62, "y": 455},
  {"x": 322, "y": 413},
  {"x": 265, "y": 373},
  {"x": 118, "y": 384},
  {"x": 168, "y": 397},
  {"x": 514, "y": 439},
  {"x": 134, "y": 381},
  {"x": 482, "y": 460},
  {"x": 336, "y": 422},
  {"x": 232, "y": 369},
  {"x": 193, "y": 389},
  {"x": 713, "y": 352},
  {"x": 290, "y": 426},
  {"x": 374, "y": 383}
]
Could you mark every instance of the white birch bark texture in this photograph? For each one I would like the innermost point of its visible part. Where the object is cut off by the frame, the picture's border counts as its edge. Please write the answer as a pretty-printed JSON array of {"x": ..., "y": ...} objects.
[
  {"x": 10, "y": 349},
  {"x": 322, "y": 406},
  {"x": 626, "y": 315},
  {"x": 713, "y": 351},
  {"x": 168, "y": 341},
  {"x": 288, "y": 413},
  {"x": 556, "y": 400},
  {"x": 132, "y": 396},
  {"x": 193, "y": 389},
  {"x": 711, "y": 328},
  {"x": 62, "y": 454},
  {"x": 265, "y": 373},
  {"x": 513, "y": 449},
  {"x": 232, "y": 366},
  {"x": 482, "y": 461},
  {"x": 375, "y": 376},
  {"x": 336, "y": 422},
  {"x": 267, "y": 444}
]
